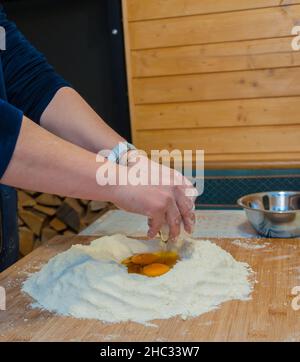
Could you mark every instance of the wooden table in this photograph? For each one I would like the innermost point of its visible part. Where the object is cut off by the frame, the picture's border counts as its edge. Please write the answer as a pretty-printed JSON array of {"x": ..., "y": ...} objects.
[{"x": 267, "y": 316}]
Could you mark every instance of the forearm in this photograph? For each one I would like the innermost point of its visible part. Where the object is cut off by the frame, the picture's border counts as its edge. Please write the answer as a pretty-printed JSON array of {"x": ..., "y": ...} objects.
[
  {"x": 43, "y": 162},
  {"x": 71, "y": 118}
]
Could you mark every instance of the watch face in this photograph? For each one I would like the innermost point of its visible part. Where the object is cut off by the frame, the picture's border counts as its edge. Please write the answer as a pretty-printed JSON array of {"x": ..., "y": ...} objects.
[
  {"x": 119, "y": 150},
  {"x": 130, "y": 146}
]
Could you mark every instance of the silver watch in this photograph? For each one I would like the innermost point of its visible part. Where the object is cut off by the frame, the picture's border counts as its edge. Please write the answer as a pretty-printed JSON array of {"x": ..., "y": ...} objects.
[{"x": 119, "y": 150}]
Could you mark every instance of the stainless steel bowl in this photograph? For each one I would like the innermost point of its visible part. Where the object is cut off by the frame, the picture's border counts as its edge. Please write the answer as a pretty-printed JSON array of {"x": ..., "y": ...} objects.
[{"x": 274, "y": 214}]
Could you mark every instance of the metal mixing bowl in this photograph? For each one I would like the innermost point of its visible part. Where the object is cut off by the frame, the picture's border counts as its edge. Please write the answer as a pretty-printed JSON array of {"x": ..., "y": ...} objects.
[{"x": 274, "y": 214}]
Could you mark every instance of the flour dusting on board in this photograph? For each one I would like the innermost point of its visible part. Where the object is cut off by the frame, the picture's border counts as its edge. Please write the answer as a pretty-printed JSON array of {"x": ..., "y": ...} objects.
[
  {"x": 90, "y": 282},
  {"x": 249, "y": 244}
]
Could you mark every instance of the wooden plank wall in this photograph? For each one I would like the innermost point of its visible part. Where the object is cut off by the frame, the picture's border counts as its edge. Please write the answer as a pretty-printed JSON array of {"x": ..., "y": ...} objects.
[{"x": 218, "y": 75}]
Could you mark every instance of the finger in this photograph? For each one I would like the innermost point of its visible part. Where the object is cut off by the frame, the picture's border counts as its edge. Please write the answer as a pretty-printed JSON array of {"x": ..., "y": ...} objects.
[
  {"x": 186, "y": 208},
  {"x": 192, "y": 193},
  {"x": 155, "y": 224},
  {"x": 193, "y": 221},
  {"x": 189, "y": 222},
  {"x": 193, "y": 217},
  {"x": 188, "y": 187},
  {"x": 174, "y": 220}
]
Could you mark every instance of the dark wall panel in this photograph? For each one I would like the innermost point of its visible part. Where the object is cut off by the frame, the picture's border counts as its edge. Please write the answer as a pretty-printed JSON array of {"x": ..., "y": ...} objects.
[{"x": 76, "y": 36}]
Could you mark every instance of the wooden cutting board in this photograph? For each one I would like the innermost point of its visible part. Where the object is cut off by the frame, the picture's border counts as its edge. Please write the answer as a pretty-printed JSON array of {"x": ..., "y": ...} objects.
[{"x": 268, "y": 316}]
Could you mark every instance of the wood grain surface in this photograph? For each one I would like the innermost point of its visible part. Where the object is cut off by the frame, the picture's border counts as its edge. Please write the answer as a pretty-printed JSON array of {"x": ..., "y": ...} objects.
[
  {"x": 214, "y": 28},
  {"x": 206, "y": 66},
  {"x": 267, "y": 316},
  {"x": 158, "y": 9}
]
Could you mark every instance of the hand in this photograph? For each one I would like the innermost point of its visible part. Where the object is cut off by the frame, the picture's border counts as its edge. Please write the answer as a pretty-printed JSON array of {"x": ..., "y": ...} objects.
[{"x": 165, "y": 203}]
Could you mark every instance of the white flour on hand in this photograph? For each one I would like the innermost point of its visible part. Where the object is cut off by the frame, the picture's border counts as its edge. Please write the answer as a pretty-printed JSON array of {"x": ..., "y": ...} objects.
[{"x": 89, "y": 282}]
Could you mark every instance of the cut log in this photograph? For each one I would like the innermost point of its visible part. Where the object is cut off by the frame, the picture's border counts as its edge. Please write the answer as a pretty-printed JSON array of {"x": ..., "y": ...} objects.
[
  {"x": 33, "y": 220},
  {"x": 97, "y": 205},
  {"x": 57, "y": 225},
  {"x": 32, "y": 193},
  {"x": 84, "y": 202},
  {"x": 75, "y": 205},
  {"x": 43, "y": 216},
  {"x": 48, "y": 200},
  {"x": 69, "y": 216},
  {"x": 69, "y": 233},
  {"x": 26, "y": 237},
  {"x": 45, "y": 209},
  {"x": 47, "y": 234},
  {"x": 25, "y": 200},
  {"x": 90, "y": 217}
]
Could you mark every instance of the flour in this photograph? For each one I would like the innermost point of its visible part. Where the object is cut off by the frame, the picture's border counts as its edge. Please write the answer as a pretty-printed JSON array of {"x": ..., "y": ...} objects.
[
  {"x": 89, "y": 282},
  {"x": 248, "y": 244}
]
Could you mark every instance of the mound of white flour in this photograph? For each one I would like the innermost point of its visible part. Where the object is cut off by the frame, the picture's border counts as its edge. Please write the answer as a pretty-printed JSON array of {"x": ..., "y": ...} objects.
[{"x": 89, "y": 282}]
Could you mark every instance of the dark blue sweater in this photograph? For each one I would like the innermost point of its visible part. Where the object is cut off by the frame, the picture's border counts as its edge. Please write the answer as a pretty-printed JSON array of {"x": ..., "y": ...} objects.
[{"x": 27, "y": 85}]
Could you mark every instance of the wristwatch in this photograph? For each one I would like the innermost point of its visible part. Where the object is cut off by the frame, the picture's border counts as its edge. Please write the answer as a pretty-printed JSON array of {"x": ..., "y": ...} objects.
[{"x": 120, "y": 150}]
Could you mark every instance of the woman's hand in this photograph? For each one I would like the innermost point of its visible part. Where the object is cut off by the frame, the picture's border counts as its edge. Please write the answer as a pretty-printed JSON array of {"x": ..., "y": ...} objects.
[
  {"x": 162, "y": 198},
  {"x": 160, "y": 204}
]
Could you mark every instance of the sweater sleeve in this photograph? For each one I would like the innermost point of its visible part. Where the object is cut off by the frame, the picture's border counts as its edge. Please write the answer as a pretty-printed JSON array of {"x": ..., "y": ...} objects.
[
  {"x": 30, "y": 81},
  {"x": 10, "y": 124}
]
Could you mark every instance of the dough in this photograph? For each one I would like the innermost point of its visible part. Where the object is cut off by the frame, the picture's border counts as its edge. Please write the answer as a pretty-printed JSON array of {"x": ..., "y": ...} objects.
[{"x": 89, "y": 282}]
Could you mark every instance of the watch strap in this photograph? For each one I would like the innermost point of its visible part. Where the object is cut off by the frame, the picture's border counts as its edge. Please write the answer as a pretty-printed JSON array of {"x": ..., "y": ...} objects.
[{"x": 119, "y": 150}]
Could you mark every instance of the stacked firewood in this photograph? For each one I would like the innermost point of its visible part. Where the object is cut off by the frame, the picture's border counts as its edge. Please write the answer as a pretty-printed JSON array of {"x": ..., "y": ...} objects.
[{"x": 43, "y": 216}]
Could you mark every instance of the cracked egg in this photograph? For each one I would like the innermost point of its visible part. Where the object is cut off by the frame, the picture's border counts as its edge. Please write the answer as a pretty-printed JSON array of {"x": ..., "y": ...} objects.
[{"x": 151, "y": 264}]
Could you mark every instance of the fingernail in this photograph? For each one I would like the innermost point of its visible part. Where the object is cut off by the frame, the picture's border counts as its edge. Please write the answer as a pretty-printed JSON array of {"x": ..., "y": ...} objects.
[{"x": 192, "y": 217}]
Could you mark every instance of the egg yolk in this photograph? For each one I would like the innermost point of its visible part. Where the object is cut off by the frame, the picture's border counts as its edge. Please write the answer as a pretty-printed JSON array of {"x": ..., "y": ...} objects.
[
  {"x": 151, "y": 264},
  {"x": 155, "y": 269},
  {"x": 144, "y": 259}
]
